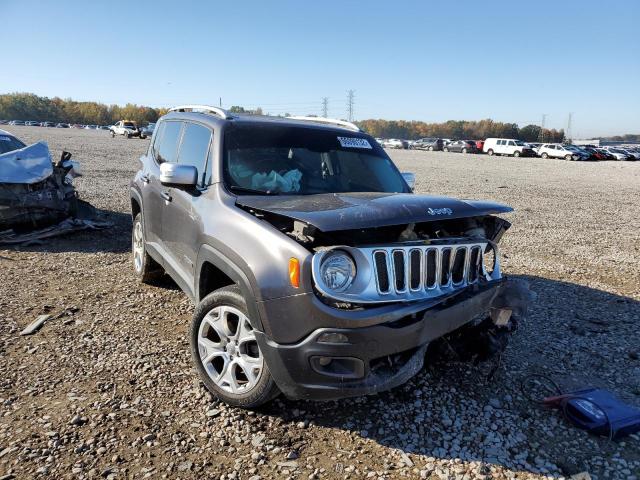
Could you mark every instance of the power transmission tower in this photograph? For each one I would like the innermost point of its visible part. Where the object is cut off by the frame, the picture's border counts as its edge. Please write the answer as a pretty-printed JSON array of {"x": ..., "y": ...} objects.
[
  {"x": 568, "y": 135},
  {"x": 541, "y": 136},
  {"x": 350, "y": 102},
  {"x": 325, "y": 107}
]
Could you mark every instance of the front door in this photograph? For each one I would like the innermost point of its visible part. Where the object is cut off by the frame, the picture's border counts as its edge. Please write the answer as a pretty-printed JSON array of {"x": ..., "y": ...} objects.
[{"x": 182, "y": 224}]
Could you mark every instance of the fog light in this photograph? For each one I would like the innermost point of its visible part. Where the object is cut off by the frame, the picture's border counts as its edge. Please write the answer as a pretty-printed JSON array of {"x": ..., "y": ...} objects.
[
  {"x": 332, "y": 337},
  {"x": 324, "y": 361}
]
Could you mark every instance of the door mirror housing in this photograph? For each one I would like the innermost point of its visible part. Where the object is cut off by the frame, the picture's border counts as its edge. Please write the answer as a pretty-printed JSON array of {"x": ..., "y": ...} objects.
[
  {"x": 410, "y": 178},
  {"x": 173, "y": 174}
]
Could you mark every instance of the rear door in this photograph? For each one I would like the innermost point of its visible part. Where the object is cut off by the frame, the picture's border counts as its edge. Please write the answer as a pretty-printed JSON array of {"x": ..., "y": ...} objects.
[{"x": 182, "y": 225}]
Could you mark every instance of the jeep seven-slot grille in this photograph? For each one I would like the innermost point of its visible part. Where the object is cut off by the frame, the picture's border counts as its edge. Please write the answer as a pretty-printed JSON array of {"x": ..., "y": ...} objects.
[
  {"x": 426, "y": 268},
  {"x": 410, "y": 271}
]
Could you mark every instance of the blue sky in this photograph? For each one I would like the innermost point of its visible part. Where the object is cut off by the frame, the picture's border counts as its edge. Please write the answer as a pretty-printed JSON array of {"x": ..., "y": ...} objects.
[{"x": 415, "y": 60}]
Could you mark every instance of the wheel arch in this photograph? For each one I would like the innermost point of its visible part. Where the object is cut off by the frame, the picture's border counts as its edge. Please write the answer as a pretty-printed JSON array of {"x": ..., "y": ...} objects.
[
  {"x": 215, "y": 270},
  {"x": 136, "y": 203}
]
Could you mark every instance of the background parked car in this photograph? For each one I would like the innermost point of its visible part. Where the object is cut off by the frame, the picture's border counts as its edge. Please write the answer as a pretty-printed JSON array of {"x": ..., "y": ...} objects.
[
  {"x": 428, "y": 143},
  {"x": 461, "y": 146},
  {"x": 395, "y": 143},
  {"x": 16, "y": 122},
  {"x": 595, "y": 154},
  {"x": 507, "y": 146},
  {"x": 125, "y": 127},
  {"x": 147, "y": 131},
  {"x": 556, "y": 150}
]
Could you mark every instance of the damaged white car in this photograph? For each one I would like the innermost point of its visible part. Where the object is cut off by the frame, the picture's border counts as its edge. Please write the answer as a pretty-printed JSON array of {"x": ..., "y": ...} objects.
[{"x": 37, "y": 197}]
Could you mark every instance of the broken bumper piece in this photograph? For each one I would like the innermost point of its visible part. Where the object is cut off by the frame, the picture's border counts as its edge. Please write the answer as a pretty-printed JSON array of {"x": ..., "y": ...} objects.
[{"x": 334, "y": 363}]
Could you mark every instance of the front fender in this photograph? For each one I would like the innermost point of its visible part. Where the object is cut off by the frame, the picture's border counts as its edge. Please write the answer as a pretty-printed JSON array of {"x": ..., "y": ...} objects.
[{"x": 241, "y": 275}]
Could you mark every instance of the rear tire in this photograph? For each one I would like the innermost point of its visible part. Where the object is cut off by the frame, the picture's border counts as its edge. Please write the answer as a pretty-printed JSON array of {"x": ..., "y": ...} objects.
[
  {"x": 490, "y": 152},
  {"x": 446, "y": 149},
  {"x": 464, "y": 150},
  {"x": 223, "y": 345},
  {"x": 146, "y": 268}
]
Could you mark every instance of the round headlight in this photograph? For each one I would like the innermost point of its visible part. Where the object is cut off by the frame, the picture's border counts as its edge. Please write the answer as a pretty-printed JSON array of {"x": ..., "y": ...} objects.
[{"x": 337, "y": 270}]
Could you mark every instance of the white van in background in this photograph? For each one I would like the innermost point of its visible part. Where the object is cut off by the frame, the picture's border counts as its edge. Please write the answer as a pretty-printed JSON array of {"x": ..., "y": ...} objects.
[{"x": 507, "y": 146}]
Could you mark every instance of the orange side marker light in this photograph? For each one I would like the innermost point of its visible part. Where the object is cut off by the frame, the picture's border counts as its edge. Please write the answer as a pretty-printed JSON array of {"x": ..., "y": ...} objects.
[{"x": 294, "y": 272}]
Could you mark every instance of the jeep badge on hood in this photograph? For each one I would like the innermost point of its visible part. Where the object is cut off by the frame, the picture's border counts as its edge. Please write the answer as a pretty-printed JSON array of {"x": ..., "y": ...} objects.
[{"x": 439, "y": 211}]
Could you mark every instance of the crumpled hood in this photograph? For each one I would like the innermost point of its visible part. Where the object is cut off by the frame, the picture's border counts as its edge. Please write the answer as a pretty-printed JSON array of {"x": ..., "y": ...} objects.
[
  {"x": 30, "y": 164},
  {"x": 347, "y": 211}
]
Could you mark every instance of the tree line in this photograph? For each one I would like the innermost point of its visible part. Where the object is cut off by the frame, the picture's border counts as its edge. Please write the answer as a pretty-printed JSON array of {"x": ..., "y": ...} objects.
[
  {"x": 458, "y": 129},
  {"x": 27, "y": 106}
]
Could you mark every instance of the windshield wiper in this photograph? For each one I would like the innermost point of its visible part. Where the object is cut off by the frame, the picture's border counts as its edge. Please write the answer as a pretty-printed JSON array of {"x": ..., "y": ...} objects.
[{"x": 237, "y": 188}]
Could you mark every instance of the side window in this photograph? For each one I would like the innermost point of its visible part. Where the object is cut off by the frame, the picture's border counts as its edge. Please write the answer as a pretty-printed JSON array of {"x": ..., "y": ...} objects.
[
  {"x": 500, "y": 142},
  {"x": 195, "y": 147},
  {"x": 168, "y": 147},
  {"x": 156, "y": 140},
  {"x": 512, "y": 143}
]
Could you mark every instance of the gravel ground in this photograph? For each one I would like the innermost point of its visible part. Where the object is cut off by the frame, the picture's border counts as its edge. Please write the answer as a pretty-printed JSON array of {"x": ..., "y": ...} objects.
[{"x": 107, "y": 389}]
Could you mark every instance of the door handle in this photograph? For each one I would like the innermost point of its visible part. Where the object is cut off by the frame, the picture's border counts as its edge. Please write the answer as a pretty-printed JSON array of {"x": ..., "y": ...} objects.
[
  {"x": 166, "y": 196},
  {"x": 144, "y": 178}
]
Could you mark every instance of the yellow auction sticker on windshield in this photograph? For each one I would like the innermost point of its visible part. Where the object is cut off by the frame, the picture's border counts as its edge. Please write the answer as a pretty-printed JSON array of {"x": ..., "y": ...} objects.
[{"x": 354, "y": 142}]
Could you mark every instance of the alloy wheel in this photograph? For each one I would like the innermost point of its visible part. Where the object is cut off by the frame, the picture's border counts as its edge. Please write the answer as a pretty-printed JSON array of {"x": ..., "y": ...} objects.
[
  {"x": 138, "y": 246},
  {"x": 228, "y": 350}
]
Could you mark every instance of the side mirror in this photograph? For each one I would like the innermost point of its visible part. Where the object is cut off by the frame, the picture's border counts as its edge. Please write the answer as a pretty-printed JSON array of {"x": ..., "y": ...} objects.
[
  {"x": 410, "y": 178},
  {"x": 178, "y": 175}
]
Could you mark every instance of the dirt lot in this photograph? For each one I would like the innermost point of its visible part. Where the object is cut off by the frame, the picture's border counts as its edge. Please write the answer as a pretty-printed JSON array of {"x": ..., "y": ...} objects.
[{"x": 107, "y": 389}]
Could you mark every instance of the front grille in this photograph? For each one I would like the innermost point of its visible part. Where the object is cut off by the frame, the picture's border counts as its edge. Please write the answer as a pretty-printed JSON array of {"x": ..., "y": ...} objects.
[
  {"x": 412, "y": 271},
  {"x": 426, "y": 268}
]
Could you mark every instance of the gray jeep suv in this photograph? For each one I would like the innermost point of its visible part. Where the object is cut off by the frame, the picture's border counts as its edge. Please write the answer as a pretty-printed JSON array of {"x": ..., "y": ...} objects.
[{"x": 315, "y": 270}]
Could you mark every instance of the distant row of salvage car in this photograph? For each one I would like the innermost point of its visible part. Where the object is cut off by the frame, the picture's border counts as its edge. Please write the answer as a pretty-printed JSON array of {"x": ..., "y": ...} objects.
[{"x": 518, "y": 148}]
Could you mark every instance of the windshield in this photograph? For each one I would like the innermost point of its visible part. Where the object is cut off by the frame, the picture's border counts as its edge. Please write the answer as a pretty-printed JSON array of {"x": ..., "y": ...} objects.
[
  {"x": 521, "y": 143},
  {"x": 9, "y": 144},
  {"x": 275, "y": 159}
]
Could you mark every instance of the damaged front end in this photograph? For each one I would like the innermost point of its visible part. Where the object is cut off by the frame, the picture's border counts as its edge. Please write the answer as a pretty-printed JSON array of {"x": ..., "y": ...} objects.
[
  {"x": 37, "y": 197},
  {"x": 433, "y": 264}
]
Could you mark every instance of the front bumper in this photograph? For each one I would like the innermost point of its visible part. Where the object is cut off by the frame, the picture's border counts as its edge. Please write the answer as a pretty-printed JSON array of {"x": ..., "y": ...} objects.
[{"x": 379, "y": 356}]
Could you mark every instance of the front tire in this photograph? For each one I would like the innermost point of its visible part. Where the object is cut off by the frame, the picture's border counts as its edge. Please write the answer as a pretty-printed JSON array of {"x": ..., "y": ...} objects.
[
  {"x": 430, "y": 149},
  {"x": 464, "y": 150},
  {"x": 226, "y": 353},
  {"x": 146, "y": 268},
  {"x": 568, "y": 157},
  {"x": 446, "y": 149},
  {"x": 516, "y": 153},
  {"x": 545, "y": 155},
  {"x": 490, "y": 152}
]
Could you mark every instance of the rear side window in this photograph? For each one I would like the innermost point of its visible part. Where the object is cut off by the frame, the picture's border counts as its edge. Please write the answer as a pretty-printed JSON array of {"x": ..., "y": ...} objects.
[
  {"x": 168, "y": 148},
  {"x": 195, "y": 147}
]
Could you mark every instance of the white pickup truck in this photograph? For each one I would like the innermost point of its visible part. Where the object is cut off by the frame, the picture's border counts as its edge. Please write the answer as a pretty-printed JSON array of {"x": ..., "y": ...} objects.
[{"x": 127, "y": 128}]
